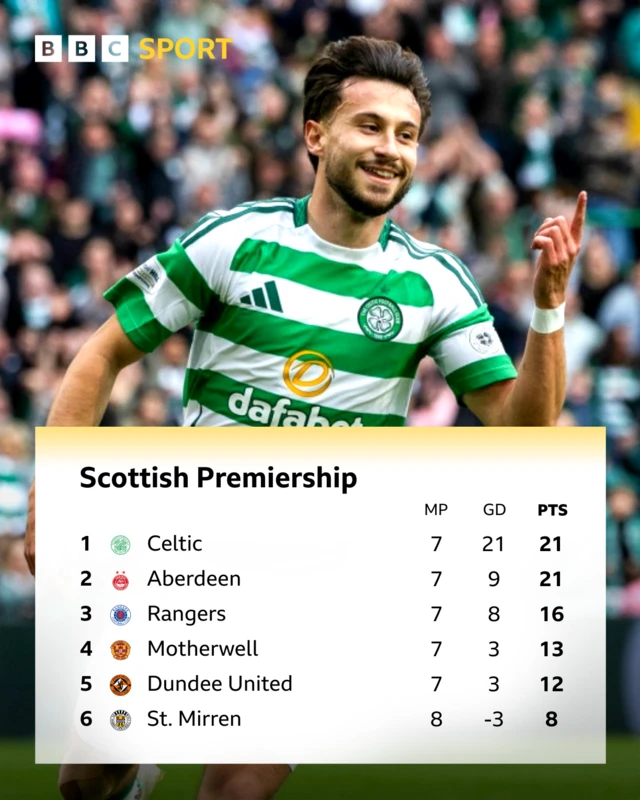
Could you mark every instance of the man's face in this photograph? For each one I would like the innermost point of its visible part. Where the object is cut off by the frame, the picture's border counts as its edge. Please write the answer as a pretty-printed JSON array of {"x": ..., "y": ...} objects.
[{"x": 370, "y": 145}]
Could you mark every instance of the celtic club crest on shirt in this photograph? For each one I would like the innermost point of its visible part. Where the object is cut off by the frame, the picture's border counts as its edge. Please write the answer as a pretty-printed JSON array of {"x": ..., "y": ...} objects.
[{"x": 380, "y": 319}]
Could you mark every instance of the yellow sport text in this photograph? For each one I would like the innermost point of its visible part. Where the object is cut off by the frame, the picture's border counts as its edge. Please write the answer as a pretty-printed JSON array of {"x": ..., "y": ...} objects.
[{"x": 184, "y": 48}]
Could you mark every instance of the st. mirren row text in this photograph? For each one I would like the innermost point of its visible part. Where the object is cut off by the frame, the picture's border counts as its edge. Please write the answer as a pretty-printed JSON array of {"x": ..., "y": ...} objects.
[
  {"x": 206, "y": 477},
  {"x": 196, "y": 719}
]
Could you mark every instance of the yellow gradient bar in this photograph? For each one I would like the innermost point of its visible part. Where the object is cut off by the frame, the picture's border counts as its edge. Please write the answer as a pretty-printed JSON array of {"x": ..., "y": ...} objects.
[{"x": 441, "y": 443}]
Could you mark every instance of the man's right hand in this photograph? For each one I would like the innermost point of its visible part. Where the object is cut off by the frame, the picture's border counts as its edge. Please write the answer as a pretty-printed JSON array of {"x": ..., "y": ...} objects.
[
  {"x": 83, "y": 397},
  {"x": 30, "y": 533}
]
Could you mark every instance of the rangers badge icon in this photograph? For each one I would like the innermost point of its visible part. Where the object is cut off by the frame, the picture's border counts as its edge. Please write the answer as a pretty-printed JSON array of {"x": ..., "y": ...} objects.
[
  {"x": 120, "y": 545},
  {"x": 120, "y": 650},
  {"x": 120, "y": 685},
  {"x": 120, "y": 582},
  {"x": 120, "y": 615},
  {"x": 120, "y": 720}
]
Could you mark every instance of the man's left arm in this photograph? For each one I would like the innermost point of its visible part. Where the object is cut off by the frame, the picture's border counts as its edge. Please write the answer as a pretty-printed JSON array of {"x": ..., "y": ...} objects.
[{"x": 537, "y": 395}]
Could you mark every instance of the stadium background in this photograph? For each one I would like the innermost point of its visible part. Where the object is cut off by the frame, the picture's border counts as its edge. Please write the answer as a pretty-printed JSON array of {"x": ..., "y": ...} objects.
[{"x": 102, "y": 165}]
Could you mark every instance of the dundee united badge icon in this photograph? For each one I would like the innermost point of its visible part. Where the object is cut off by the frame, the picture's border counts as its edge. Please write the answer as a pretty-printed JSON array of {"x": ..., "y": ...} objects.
[
  {"x": 120, "y": 650},
  {"x": 380, "y": 319},
  {"x": 120, "y": 582},
  {"x": 120, "y": 545},
  {"x": 120, "y": 615},
  {"x": 120, "y": 720},
  {"x": 120, "y": 685}
]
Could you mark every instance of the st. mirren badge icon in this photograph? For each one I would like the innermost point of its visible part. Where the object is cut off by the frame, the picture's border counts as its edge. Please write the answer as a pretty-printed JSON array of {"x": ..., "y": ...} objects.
[
  {"x": 120, "y": 650},
  {"x": 120, "y": 685},
  {"x": 120, "y": 615},
  {"x": 120, "y": 720},
  {"x": 120, "y": 545},
  {"x": 380, "y": 319},
  {"x": 120, "y": 582}
]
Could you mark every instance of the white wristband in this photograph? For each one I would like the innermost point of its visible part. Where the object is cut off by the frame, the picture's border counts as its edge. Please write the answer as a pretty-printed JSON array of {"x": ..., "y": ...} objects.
[{"x": 548, "y": 320}]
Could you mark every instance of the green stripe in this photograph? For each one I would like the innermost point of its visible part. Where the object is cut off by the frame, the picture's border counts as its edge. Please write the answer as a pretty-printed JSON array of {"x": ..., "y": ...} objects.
[
  {"x": 213, "y": 390},
  {"x": 481, "y": 373},
  {"x": 188, "y": 240},
  {"x": 383, "y": 239},
  {"x": 182, "y": 271},
  {"x": 318, "y": 272},
  {"x": 348, "y": 352},
  {"x": 135, "y": 316},
  {"x": 479, "y": 315},
  {"x": 300, "y": 211},
  {"x": 416, "y": 252}
]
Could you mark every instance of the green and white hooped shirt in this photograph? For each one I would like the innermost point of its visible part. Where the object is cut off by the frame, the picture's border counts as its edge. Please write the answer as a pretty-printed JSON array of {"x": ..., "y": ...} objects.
[{"x": 291, "y": 330}]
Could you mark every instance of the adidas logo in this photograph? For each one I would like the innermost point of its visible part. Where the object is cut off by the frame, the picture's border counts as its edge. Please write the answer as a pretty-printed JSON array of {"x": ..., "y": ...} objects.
[{"x": 264, "y": 298}]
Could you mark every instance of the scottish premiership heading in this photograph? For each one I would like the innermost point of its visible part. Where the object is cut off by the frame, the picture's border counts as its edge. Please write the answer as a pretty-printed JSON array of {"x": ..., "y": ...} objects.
[{"x": 209, "y": 478}]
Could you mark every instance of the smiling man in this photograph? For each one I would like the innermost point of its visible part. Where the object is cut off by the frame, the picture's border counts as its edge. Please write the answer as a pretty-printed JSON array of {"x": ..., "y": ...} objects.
[{"x": 317, "y": 311}]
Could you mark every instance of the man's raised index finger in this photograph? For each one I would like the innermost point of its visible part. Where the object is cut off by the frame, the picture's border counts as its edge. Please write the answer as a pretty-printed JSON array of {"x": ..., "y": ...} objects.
[{"x": 577, "y": 224}]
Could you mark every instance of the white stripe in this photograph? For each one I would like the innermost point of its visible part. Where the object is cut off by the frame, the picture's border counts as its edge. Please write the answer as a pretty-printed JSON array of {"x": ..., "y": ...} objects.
[
  {"x": 347, "y": 392},
  {"x": 279, "y": 227},
  {"x": 213, "y": 253},
  {"x": 277, "y": 201},
  {"x": 205, "y": 220},
  {"x": 204, "y": 418},
  {"x": 220, "y": 214},
  {"x": 456, "y": 351},
  {"x": 426, "y": 250},
  {"x": 462, "y": 275},
  {"x": 305, "y": 240},
  {"x": 166, "y": 302}
]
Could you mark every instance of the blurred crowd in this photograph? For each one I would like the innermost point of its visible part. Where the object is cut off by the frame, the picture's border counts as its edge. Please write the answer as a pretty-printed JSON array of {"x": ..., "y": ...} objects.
[{"x": 104, "y": 164}]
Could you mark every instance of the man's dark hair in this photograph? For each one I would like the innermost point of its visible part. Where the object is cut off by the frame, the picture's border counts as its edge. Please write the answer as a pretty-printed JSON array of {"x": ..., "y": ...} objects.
[{"x": 361, "y": 57}]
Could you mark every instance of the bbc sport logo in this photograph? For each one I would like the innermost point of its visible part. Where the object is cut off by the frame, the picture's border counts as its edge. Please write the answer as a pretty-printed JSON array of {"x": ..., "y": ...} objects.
[{"x": 115, "y": 48}]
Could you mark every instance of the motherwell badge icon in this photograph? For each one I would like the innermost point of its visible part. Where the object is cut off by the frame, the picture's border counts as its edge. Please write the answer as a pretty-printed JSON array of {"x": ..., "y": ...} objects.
[
  {"x": 120, "y": 685},
  {"x": 120, "y": 582},
  {"x": 120, "y": 650}
]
